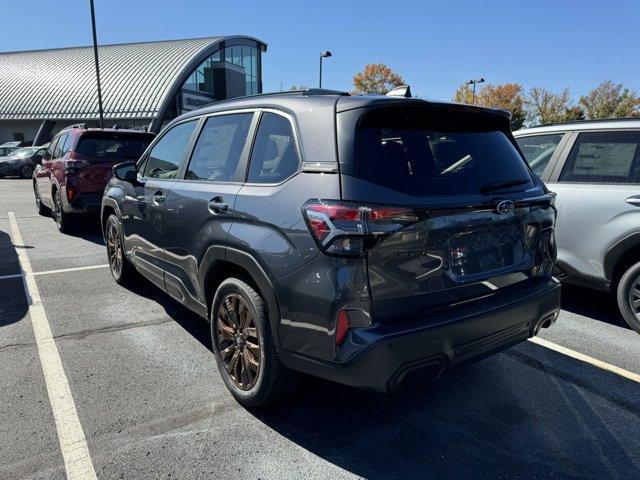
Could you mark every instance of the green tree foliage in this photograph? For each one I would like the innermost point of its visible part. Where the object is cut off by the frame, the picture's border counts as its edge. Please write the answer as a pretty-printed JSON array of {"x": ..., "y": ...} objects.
[
  {"x": 544, "y": 106},
  {"x": 610, "y": 100},
  {"x": 376, "y": 78},
  {"x": 463, "y": 94}
]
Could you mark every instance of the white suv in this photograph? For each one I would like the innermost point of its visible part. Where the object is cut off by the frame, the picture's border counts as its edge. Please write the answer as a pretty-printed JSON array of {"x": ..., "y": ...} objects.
[{"x": 594, "y": 167}]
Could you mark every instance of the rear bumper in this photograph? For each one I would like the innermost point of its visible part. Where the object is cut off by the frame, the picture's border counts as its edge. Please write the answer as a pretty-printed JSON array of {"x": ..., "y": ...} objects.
[
  {"x": 82, "y": 203},
  {"x": 389, "y": 355}
]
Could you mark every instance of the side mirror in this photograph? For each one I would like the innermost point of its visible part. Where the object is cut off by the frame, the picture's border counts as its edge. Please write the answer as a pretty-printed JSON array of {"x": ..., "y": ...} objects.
[
  {"x": 46, "y": 156},
  {"x": 125, "y": 171},
  {"x": 36, "y": 159}
]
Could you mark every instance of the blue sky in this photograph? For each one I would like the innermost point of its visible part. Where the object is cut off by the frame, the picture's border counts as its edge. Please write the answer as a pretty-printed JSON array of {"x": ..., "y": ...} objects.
[{"x": 435, "y": 45}]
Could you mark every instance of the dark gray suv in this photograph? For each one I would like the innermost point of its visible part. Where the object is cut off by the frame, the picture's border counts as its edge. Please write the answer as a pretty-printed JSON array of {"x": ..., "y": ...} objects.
[{"x": 370, "y": 240}]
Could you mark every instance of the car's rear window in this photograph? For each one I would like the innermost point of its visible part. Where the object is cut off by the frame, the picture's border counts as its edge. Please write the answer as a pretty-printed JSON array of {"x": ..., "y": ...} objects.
[
  {"x": 420, "y": 152},
  {"x": 102, "y": 146}
]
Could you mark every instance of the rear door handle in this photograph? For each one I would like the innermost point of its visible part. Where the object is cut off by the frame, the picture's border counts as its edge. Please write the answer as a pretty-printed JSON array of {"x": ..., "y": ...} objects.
[
  {"x": 158, "y": 197},
  {"x": 216, "y": 205},
  {"x": 635, "y": 200}
]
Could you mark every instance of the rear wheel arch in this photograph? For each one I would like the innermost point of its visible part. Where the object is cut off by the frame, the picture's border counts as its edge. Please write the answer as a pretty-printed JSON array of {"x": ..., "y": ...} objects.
[{"x": 230, "y": 262}]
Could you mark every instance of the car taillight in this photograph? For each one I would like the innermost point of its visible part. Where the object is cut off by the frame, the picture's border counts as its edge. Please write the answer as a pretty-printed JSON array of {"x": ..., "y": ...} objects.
[
  {"x": 348, "y": 229},
  {"x": 342, "y": 327},
  {"x": 71, "y": 193},
  {"x": 74, "y": 166}
]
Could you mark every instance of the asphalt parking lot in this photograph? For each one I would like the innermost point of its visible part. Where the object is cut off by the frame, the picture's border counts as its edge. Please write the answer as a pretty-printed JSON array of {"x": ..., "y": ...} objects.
[{"x": 151, "y": 404}]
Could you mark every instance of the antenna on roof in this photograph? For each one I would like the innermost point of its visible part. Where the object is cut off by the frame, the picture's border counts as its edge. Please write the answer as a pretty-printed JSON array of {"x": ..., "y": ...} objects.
[{"x": 401, "y": 91}]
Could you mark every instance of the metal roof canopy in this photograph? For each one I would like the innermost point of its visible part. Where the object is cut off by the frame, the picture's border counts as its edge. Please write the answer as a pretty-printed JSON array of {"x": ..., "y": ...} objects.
[{"x": 139, "y": 80}]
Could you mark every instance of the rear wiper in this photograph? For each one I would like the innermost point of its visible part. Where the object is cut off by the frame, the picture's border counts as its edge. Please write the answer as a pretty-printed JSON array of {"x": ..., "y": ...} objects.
[{"x": 494, "y": 186}]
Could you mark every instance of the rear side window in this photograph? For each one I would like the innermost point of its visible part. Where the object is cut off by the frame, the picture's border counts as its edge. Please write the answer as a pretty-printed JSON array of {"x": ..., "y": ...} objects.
[
  {"x": 217, "y": 152},
  {"x": 422, "y": 153},
  {"x": 103, "y": 146},
  {"x": 166, "y": 156},
  {"x": 538, "y": 150},
  {"x": 603, "y": 157},
  {"x": 275, "y": 154}
]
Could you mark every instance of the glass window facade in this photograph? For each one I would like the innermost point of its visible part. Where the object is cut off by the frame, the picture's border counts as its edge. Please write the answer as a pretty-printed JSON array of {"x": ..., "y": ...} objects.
[{"x": 233, "y": 71}]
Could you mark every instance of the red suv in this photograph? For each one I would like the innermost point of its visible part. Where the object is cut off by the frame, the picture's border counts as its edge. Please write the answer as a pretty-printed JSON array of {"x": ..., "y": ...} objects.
[{"x": 72, "y": 175}]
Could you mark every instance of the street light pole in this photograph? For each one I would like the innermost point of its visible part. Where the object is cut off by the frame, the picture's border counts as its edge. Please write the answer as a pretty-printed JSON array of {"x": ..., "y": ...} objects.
[
  {"x": 325, "y": 54},
  {"x": 95, "y": 56},
  {"x": 473, "y": 82}
]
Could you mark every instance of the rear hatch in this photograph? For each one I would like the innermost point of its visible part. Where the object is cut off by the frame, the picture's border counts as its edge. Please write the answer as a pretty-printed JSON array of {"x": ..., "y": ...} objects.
[
  {"x": 98, "y": 151},
  {"x": 455, "y": 213}
]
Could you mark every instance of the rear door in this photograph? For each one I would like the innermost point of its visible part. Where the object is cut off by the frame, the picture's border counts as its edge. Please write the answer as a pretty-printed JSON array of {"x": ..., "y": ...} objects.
[
  {"x": 472, "y": 222},
  {"x": 598, "y": 197},
  {"x": 200, "y": 207},
  {"x": 143, "y": 206},
  {"x": 98, "y": 151}
]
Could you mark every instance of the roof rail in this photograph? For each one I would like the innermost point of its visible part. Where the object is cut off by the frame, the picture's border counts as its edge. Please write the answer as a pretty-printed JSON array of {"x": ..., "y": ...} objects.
[
  {"x": 591, "y": 120},
  {"x": 303, "y": 91},
  {"x": 75, "y": 125}
]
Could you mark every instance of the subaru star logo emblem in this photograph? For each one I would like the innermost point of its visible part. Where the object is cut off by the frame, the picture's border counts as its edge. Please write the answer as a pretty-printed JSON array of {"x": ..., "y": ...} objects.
[{"x": 505, "y": 206}]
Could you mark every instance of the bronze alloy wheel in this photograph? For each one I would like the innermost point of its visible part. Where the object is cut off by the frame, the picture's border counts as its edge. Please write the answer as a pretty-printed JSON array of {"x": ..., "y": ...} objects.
[
  {"x": 114, "y": 249},
  {"x": 238, "y": 341}
]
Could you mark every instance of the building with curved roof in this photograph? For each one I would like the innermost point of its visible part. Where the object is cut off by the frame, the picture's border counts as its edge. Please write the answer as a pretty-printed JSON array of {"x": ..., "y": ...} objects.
[{"x": 143, "y": 84}]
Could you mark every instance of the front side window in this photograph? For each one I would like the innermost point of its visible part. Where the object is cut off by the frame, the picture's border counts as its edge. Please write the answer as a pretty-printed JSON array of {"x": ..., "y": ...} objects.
[
  {"x": 604, "y": 157},
  {"x": 166, "y": 156},
  {"x": 275, "y": 154},
  {"x": 538, "y": 150},
  {"x": 57, "y": 152},
  {"x": 217, "y": 152}
]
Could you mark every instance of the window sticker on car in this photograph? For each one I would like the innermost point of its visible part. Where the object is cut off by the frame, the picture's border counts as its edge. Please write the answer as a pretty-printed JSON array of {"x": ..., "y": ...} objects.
[{"x": 610, "y": 159}]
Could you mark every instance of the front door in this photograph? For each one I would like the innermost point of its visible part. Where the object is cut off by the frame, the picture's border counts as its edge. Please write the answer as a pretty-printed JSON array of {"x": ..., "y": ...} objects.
[{"x": 144, "y": 203}]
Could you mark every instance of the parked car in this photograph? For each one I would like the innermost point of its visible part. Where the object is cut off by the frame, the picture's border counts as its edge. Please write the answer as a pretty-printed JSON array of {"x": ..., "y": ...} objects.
[
  {"x": 76, "y": 167},
  {"x": 373, "y": 241},
  {"x": 594, "y": 167},
  {"x": 9, "y": 147},
  {"x": 22, "y": 162}
]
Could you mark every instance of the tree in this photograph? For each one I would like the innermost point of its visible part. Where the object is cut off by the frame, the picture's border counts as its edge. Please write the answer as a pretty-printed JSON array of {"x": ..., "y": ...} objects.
[
  {"x": 507, "y": 96},
  {"x": 376, "y": 78},
  {"x": 463, "y": 94},
  {"x": 544, "y": 106},
  {"x": 609, "y": 100}
]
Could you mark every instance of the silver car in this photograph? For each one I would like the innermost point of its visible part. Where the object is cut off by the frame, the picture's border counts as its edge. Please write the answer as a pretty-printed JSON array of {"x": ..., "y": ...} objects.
[{"x": 594, "y": 167}]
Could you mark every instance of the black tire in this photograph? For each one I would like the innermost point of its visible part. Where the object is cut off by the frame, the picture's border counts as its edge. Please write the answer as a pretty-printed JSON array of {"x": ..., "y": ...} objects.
[
  {"x": 272, "y": 381},
  {"x": 122, "y": 271},
  {"x": 62, "y": 219},
  {"x": 26, "y": 171},
  {"x": 628, "y": 296},
  {"x": 40, "y": 207}
]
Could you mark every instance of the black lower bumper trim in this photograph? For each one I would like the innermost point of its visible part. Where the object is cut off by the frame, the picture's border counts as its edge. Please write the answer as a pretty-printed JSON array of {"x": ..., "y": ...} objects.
[{"x": 409, "y": 353}]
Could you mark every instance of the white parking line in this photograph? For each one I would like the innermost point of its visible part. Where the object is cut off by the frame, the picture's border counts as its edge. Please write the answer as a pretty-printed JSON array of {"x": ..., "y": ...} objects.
[
  {"x": 61, "y": 270},
  {"x": 586, "y": 359},
  {"x": 73, "y": 443}
]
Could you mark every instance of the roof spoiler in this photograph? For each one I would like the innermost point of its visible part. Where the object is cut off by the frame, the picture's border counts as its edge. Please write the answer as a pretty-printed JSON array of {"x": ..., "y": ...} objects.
[{"x": 400, "y": 91}]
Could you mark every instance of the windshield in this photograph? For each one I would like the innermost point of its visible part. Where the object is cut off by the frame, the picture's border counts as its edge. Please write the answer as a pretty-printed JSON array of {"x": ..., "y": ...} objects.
[
  {"x": 4, "y": 151},
  {"x": 446, "y": 154},
  {"x": 114, "y": 146},
  {"x": 25, "y": 152}
]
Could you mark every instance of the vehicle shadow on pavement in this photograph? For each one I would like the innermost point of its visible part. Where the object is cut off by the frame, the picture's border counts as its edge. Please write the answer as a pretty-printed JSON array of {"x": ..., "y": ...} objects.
[
  {"x": 13, "y": 303},
  {"x": 87, "y": 227},
  {"x": 517, "y": 415},
  {"x": 591, "y": 303}
]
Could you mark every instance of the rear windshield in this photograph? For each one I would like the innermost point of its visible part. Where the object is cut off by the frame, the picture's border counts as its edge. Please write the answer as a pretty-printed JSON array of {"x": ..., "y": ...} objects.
[
  {"x": 113, "y": 146},
  {"x": 421, "y": 152}
]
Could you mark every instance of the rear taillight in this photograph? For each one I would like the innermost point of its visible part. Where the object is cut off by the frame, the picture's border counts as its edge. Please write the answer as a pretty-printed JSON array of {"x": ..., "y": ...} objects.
[
  {"x": 342, "y": 327},
  {"x": 71, "y": 193},
  {"x": 74, "y": 166},
  {"x": 348, "y": 229}
]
